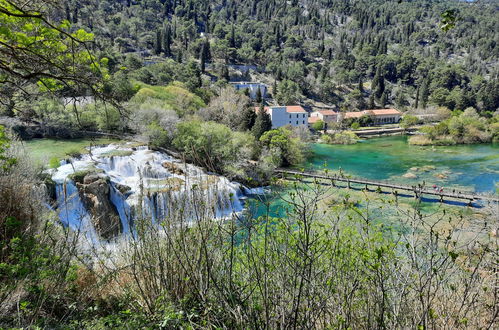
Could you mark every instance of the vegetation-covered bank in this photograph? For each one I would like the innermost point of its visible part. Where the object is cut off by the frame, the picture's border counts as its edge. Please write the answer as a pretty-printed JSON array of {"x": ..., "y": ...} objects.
[{"x": 461, "y": 128}]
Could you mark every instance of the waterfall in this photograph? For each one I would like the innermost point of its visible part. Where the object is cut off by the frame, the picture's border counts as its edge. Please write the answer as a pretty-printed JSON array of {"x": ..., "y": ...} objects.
[{"x": 146, "y": 181}]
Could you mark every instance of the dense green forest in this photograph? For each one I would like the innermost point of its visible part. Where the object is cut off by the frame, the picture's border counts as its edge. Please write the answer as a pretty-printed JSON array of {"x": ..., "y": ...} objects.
[
  {"x": 159, "y": 71},
  {"x": 318, "y": 49}
]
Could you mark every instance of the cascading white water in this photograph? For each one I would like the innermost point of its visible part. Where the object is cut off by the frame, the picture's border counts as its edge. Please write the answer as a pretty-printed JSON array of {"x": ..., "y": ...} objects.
[{"x": 146, "y": 181}]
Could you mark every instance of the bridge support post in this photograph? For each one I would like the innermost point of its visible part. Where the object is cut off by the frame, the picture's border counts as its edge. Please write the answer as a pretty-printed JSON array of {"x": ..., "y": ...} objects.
[
  {"x": 333, "y": 183},
  {"x": 348, "y": 183},
  {"x": 367, "y": 188},
  {"x": 441, "y": 198},
  {"x": 396, "y": 196},
  {"x": 470, "y": 203}
]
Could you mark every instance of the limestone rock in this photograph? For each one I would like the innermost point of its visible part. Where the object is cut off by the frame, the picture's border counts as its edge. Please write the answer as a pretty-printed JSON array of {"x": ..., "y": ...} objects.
[
  {"x": 123, "y": 189},
  {"x": 173, "y": 168},
  {"x": 410, "y": 175},
  {"x": 94, "y": 192}
]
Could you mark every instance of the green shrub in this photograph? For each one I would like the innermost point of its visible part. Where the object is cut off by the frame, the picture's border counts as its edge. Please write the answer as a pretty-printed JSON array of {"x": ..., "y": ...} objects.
[{"x": 54, "y": 162}]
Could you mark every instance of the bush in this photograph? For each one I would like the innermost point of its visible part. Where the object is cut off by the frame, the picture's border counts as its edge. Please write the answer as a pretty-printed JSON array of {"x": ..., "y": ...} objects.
[
  {"x": 286, "y": 149},
  {"x": 318, "y": 125},
  {"x": 344, "y": 137},
  {"x": 54, "y": 162},
  {"x": 408, "y": 121},
  {"x": 212, "y": 145}
]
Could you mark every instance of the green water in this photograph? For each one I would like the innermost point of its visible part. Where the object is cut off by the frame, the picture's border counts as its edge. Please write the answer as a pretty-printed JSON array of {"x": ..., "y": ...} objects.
[
  {"x": 466, "y": 167},
  {"x": 462, "y": 167}
]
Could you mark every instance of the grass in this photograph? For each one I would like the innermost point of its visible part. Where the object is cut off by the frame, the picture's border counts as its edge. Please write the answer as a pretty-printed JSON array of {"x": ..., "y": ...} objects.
[{"x": 45, "y": 151}]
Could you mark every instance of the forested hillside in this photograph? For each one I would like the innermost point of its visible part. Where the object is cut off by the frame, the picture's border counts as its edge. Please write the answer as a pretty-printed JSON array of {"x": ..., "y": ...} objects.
[{"x": 325, "y": 50}]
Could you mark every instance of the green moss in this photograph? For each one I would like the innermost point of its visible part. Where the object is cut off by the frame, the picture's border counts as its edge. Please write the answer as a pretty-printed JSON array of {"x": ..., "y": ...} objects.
[
  {"x": 117, "y": 153},
  {"x": 165, "y": 185},
  {"x": 78, "y": 176},
  {"x": 54, "y": 162}
]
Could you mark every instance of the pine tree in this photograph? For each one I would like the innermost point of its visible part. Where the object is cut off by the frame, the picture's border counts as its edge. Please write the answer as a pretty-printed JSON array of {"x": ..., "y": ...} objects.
[{"x": 263, "y": 123}]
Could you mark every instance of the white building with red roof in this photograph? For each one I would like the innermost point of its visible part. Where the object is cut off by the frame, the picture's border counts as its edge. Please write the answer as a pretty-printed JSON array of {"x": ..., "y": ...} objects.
[
  {"x": 379, "y": 116},
  {"x": 327, "y": 116},
  {"x": 293, "y": 115}
]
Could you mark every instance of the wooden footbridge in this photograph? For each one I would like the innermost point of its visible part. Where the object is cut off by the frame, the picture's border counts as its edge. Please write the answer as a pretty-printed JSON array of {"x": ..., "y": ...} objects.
[{"x": 418, "y": 190}]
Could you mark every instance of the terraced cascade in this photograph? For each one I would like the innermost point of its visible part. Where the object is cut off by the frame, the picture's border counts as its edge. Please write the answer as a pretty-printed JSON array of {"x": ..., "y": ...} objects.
[{"x": 127, "y": 182}]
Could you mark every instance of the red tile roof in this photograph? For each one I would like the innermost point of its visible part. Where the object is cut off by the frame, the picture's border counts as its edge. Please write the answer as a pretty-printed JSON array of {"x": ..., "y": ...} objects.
[
  {"x": 289, "y": 108},
  {"x": 312, "y": 120},
  {"x": 353, "y": 114},
  {"x": 327, "y": 112},
  {"x": 294, "y": 108},
  {"x": 379, "y": 112}
]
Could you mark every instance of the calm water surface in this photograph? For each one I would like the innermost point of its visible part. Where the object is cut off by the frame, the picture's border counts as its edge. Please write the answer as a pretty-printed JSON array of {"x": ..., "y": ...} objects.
[{"x": 470, "y": 167}]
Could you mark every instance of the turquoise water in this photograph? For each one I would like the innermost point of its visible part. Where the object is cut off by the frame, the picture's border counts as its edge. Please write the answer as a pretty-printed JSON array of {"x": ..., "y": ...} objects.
[
  {"x": 466, "y": 167},
  {"x": 462, "y": 167}
]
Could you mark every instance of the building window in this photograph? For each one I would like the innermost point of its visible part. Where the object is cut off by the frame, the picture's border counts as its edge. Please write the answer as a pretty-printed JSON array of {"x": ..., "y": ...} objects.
[
  {"x": 297, "y": 122},
  {"x": 304, "y": 122}
]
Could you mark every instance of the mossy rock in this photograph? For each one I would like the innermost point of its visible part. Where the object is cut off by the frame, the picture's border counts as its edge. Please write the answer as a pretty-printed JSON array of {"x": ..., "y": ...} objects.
[
  {"x": 79, "y": 176},
  {"x": 165, "y": 185},
  {"x": 117, "y": 153}
]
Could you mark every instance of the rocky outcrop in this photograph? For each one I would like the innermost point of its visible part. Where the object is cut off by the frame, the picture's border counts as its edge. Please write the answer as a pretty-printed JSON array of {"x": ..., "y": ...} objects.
[
  {"x": 95, "y": 194},
  {"x": 173, "y": 168}
]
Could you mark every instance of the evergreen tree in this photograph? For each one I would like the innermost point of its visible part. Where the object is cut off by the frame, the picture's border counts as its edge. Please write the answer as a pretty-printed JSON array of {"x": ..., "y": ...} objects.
[
  {"x": 416, "y": 102},
  {"x": 424, "y": 92},
  {"x": 384, "y": 99},
  {"x": 167, "y": 40},
  {"x": 371, "y": 105},
  {"x": 380, "y": 88},
  {"x": 263, "y": 123},
  {"x": 157, "y": 45},
  {"x": 258, "y": 96},
  {"x": 202, "y": 60},
  {"x": 361, "y": 85},
  {"x": 232, "y": 38},
  {"x": 248, "y": 118},
  {"x": 376, "y": 79}
]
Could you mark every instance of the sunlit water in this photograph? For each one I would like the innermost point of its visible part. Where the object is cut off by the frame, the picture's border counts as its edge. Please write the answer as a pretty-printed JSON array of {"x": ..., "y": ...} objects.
[
  {"x": 469, "y": 167},
  {"x": 461, "y": 167}
]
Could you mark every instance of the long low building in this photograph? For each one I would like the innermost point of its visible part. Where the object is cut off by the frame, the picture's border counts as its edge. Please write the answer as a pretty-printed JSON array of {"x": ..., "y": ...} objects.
[
  {"x": 378, "y": 116},
  {"x": 293, "y": 115}
]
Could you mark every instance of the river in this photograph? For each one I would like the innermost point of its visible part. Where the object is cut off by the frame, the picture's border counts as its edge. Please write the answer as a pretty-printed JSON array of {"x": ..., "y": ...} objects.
[{"x": 468, "y": 167}]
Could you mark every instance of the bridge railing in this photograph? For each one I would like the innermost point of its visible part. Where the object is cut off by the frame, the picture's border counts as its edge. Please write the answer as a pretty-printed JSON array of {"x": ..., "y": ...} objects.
[{"x": 418, "y": 187}]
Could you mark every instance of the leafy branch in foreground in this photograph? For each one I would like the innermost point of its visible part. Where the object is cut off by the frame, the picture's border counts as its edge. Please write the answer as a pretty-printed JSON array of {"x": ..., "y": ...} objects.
[{"x": 34, "y": 50}]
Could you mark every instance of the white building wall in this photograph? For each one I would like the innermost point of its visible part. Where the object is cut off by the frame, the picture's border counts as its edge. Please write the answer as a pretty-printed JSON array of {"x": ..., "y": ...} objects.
[
  {"x": 297, "y": 118},
  {"x": 279, "y": 116}
]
